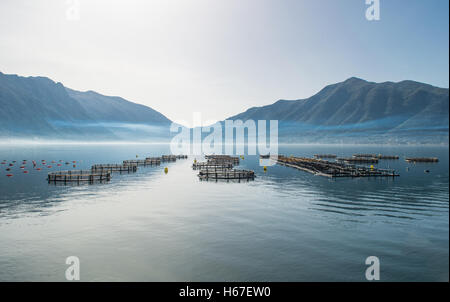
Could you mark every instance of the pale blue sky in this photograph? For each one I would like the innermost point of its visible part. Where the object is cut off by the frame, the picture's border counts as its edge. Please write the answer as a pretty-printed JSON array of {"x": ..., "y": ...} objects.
[{"x": 222, "y": 57}]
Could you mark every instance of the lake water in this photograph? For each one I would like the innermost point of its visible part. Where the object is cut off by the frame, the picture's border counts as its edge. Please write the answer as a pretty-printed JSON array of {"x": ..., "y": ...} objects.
[{"x": 286, "y": 225}]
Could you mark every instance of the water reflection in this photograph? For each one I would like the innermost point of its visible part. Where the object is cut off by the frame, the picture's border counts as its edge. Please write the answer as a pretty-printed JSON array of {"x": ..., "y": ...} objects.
[{"x": 286, "y": 225}]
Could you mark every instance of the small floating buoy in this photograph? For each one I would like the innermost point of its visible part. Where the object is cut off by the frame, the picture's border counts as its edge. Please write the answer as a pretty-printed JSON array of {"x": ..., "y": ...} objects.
[
  {"x": 166, "y": 170},
  {"x": 242, "y": 157},
  {"x": 137, "y": 156},
  {"x": 49, "y": 167},
  {"x": 22, "y": 167},
  {"x": 74, "y": 166},
  {"x": 11, "y": 165},
  {"x": 25, "y": 172},
  {"x": 371, "y": 167},
  {"x": 265, "y": 169},
  {"x": 59, "y": 165},
  {"x": 39, "y": 169},
  {"x": 195, "y": 161},
  {"x": 74, "y": 161},
  {"x": 427, "y": 171},
  {"x": 9, "y": 175}
]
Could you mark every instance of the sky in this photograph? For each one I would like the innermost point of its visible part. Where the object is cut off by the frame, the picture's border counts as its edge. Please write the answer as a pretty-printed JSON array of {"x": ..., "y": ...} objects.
[{"x": 221, "y": 57}]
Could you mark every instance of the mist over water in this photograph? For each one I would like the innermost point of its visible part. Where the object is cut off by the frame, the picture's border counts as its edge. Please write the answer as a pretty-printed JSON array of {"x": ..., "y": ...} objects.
[{"x": 286, "y": 225}]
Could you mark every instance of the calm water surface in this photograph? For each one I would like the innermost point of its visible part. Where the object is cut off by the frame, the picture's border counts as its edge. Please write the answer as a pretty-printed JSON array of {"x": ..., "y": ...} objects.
[{"x": 287, "y": 225}]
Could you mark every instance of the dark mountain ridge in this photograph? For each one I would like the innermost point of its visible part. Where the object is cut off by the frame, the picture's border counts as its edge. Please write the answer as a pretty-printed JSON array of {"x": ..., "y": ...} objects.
[
  {"x": 356, "y": 109},
  {"x": 353, "y": 111},
  {"x": 37, "y": 107}
]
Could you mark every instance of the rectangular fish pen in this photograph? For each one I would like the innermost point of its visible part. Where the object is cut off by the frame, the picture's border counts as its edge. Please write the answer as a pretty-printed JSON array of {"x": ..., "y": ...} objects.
[
  {"x": 78, "y": 176},
  {"x": 226, "y": 174},
  {"x": 364, "y": 155},
  {"x": 222, "y": 159},
  {"x": 114, "y": 168},
  {"x": 422, "y": 159},
  {"x": 208, "y": 165},
  {"x": 381, "y": 156},
  {"x": 369, "y": 160},
  {"x": 325, "y": 155},
  {"x": 377, "y": 156},
  {"x": 168, "y": 158},
  {"x": 142, "y": 162},
  {"x": 333, "y": 169}
]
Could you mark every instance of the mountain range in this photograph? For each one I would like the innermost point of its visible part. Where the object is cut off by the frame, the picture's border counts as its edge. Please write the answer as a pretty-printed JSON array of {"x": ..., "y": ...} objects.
[
  {"x": 353, "y": 111},
  {"x": 360, "y": 111},
  {"x": 39, "y": 108}
]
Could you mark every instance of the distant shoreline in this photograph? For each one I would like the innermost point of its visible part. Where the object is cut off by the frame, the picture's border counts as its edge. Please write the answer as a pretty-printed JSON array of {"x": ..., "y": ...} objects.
[{"x": 9, "y": 142}]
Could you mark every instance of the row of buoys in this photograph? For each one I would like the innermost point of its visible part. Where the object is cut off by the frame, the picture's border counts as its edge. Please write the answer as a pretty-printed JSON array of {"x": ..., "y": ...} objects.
[{"x": 43, "y": 162}]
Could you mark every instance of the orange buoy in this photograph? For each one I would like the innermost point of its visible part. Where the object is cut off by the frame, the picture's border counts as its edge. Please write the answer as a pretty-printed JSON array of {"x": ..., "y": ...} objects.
[
  {"x": 25, "y": 172},
  {"x": 9, "y": 175},
  {"x": 49, "y": 167},
  {"x": 22, "y": 167},
  {"x": 39, "y": 169}
]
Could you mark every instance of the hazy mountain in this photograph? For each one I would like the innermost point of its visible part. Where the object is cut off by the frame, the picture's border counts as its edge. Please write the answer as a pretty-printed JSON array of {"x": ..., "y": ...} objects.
[
  {"x": 360, "y": 111},
  {"x": 351, "y": 111},
  {"x": 37, "y": 107}
]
